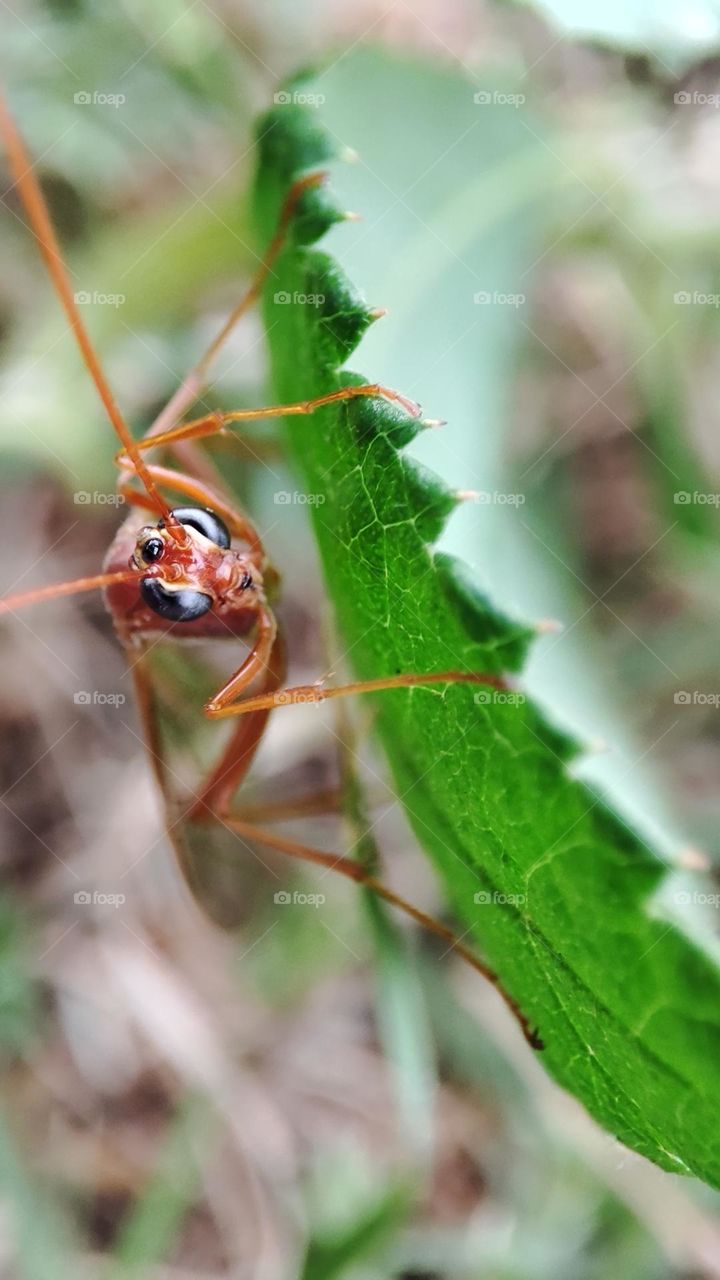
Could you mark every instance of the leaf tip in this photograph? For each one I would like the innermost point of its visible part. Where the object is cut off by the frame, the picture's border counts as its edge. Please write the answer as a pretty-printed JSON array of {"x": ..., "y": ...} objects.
[
  {"x": 549, "y": 627},
  {"x": 690, "y": 858}
]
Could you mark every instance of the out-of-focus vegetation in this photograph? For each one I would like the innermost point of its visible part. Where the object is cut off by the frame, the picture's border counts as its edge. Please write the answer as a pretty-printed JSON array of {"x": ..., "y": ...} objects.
[{"x": 183, "y": 1102}]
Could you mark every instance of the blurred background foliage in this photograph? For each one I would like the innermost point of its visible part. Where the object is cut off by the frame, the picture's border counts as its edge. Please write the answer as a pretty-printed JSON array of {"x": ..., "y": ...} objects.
[{"x": 315, "y": 1094}]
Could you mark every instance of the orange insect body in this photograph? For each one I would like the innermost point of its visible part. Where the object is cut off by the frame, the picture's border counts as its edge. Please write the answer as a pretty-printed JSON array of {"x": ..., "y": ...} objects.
[
  {"x": 199, "y": 571},
  {"x": 230, "y": 578}
]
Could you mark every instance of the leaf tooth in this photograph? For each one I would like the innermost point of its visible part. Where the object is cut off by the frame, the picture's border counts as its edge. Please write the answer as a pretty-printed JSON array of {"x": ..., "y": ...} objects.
[
  {"x": 484, "y": 624},
  {"x": 429, "y": 498},
  {"x": 690, "y": 858},
  {"x": 375, "y": 419},
  {"x": 341, "y": 314},
  {"x": 549, "y": 626}
]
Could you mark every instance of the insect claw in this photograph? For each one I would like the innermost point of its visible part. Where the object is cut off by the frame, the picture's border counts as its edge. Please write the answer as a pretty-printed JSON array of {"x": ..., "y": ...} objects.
[
  {"x": 349, "y": 216},
  {"x": 410, "y": 406},
  {"x": 377, "y": 313},
  {"x": 349, "y": 155},
  {"x": 466, "y": 495},
  {"x": 433, "y": 422},
  {"x": 549, "y": 627}
]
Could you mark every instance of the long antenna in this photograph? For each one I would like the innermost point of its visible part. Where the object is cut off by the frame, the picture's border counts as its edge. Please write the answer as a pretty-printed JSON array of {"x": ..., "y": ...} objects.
[
  {"x": 37, "y": 211},
  {"x": 23, "y": 598}
]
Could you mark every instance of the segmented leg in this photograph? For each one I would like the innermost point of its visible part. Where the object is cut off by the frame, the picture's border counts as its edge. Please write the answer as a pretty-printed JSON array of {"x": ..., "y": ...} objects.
[
  {"x": 213, "y": 423},
  {"x": 194, "y": 383},
  {"x": 220, "y": 706},
  {"x": 356, "y": 872},
  {"x": 217, "y": 790}
]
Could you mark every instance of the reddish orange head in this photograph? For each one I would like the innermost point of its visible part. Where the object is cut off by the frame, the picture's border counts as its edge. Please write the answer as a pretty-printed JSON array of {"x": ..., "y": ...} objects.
[{"x": 183, "y": 579}]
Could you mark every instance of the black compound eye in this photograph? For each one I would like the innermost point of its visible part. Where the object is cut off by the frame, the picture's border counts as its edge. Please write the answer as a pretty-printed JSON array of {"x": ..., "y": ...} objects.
[
  {"x": 206, "y": 522},
  {"x": 176, "y": 606},
  {"x": 152, "y": 550}
]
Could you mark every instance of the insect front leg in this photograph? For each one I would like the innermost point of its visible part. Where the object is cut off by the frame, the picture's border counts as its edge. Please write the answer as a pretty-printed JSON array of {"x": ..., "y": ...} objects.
[
  {"x": 193, "y": 385},
  {"x": 320, "y": 693},
  {"x": 213, "y": 423},
  {"x": 356, "y": 872}
]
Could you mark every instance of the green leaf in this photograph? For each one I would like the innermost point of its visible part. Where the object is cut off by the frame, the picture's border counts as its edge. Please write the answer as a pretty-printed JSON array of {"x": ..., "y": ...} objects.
[
  {"x": 555, "y": 889},
  {"x": 156, "y": 1218},
  {"x": 331, "y": 1255}
]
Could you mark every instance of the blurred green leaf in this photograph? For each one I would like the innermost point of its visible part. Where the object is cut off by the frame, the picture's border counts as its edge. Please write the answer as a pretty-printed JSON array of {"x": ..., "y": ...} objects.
[
  {"x": 19, "y": 1004},
  {"x": 554, "y": 887},
  {"x": 329, "y": 1256},
  {"x": 41, "y": 1236},
  {"x": 156, "y": 1218}
]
